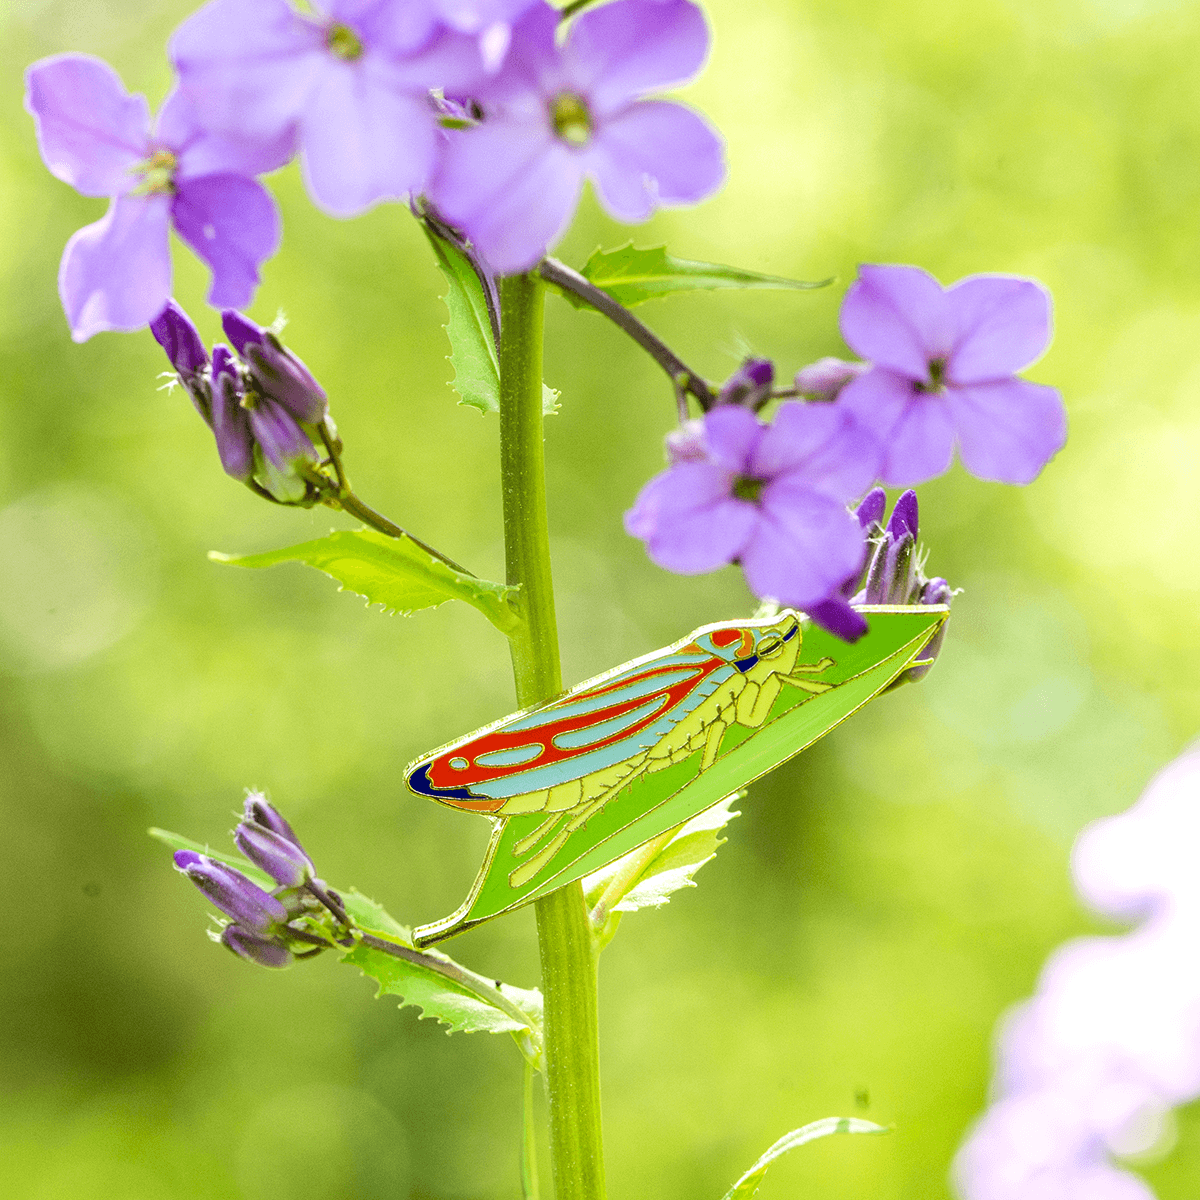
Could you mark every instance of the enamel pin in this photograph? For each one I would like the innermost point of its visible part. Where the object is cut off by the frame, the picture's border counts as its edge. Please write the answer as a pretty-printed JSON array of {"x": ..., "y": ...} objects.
[{"x": 582, "y": 780}]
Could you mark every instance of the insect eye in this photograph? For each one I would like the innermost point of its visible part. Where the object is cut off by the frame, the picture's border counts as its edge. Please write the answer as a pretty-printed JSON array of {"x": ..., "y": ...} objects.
[{"x": 769, "y": 647}]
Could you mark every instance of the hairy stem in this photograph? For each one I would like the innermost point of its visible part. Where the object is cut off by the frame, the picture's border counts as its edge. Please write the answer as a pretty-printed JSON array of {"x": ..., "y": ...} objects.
[
  {"x": 682, "y": 377},
  {"x": 568, "y": 951}
]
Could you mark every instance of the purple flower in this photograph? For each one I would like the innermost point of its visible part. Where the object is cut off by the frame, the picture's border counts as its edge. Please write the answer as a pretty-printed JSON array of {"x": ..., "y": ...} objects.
[
  {"x": 943, "y": 373},
  {"x": 770, "y": 497},
  {"x": 1091, "y": 1065},
  {"x": 281, "y": 858},
  {"x": 259, "y": 811},
  {"x": 345, "y": 85},
  {"x": 554, "y": 115},
  {"x": 116, "y": 273},
  {"x": 234, "y": 894}
]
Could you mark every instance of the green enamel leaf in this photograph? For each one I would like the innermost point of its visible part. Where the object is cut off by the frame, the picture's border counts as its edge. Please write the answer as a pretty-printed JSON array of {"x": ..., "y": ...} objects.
[
  {"x": 179, "y": 842},
  {"x": 651, "y": 874},
  {"x": 473, "y": 352},
  {"x": 394, "y": 572},
  {"x": 632, "y": 276},
  {"x": 451, "y": 994},
  {"x": 748, "y": 1184}
]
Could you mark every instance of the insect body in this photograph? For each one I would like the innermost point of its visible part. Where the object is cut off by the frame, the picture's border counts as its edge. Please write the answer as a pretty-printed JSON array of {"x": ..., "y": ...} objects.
[{"x": 571, "y": 757}]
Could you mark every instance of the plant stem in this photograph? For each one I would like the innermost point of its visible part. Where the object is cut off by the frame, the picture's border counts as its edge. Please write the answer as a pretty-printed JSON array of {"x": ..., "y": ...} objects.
[
  {"x": 568, "y": 951},
  {"x": 683, "y": 378}
]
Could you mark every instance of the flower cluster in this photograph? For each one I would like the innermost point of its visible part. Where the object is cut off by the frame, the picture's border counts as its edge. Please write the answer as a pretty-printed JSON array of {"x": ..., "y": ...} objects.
[
  {"x": 1089, "y": 1068},
  {"x": 266, "y": 927},
  {"x": 262, "y": 403},
  {"x": 773, "y": 496},
  {"x": 477, "y": 104}
]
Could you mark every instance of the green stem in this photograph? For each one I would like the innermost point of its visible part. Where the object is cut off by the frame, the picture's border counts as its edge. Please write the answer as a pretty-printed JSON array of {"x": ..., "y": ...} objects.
[{"x": 565, "y": 939}]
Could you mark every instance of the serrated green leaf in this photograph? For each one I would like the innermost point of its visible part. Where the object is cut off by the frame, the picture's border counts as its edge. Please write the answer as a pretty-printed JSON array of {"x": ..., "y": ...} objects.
[
  {"x": 394, "y": 572},
  {"x": 632, "y": 276},
  {"x": 449, "y": 993},
  {"x": 648, "y": 876},
  {"x": 178, "y": 842},
  {"x": 748, "y": 1184},
  {"x": 374, "y": 918},
  {"x": 473, "y": 352},
  {"x": 550, "y": 405}
]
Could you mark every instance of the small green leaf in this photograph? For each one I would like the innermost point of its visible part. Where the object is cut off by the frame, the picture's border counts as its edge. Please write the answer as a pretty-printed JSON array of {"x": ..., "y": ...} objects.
[
  {"x": 374, "y": 918},
  {"x": 179, "y": 842},
  {"x": 550, "y": 405},
  {"x": 648, "y": 876},
  {"x": 472, "y": 344},
  {"x": 632, "y": 276},
  {"x": 447, "y": 992},
  {"x": 748, "y": 1184},
  {"x": 394, "y": 572}
]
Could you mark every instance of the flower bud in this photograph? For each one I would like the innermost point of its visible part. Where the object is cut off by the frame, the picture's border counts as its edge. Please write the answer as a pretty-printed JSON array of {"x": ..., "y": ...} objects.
[
  {"x": 259, "y": 811},
  {"x": 935, "y": 591},
  {"x": 230, "y": 420},
  {"x": 230, "y": 890},
  {"x": 687, "y": 444},
  {"x": 824, "y": 379},
  {"x": 176, "y": 334},
  {"x": 750, "y": 385},
  {"x": 836, "y": 615},
  {"x": 870, "y": 511},
  {"x": 282, "y": 859},
  {"x": 904, "y": 515},
  {"x": 264, "y": 952},
  {"x": 277, "y": 372}
]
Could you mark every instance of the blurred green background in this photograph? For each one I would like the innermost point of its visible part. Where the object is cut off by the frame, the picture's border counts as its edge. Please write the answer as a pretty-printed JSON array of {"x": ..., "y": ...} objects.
[{"x": 882, "y": 899}]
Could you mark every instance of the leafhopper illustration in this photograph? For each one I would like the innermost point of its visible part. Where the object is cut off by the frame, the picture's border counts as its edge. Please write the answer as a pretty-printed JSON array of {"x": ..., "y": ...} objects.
[{"x": 576, "y": 783}]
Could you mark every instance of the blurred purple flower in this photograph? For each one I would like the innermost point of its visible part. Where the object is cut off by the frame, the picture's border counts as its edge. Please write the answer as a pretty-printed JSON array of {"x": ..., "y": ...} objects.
[
  {"x": 943, "y": 373},
  {"x": 824, "y": 379},
  {"x": 1089, "y": 1068},
  {"x": 346, "y": 85},
  {"x": 770, "y": 497},
  {"x": 555, "y": 114},
  {"x": 116, "y": 273}
]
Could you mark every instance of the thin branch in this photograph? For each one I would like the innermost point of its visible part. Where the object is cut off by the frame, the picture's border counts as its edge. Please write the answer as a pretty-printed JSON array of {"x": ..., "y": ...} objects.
[{"x": 682, "y": 377}]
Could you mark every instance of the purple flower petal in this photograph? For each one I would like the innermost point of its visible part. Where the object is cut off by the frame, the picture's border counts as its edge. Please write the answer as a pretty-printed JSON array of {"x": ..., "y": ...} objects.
[
  {"x": 632, "y": 47},
  {"x": 803, "y": 548},
  {"x": 836, "y": 615},
  {"x": 230, "y": 421},
  {"x": 280, "y": 438},
  {"x": 898, "y": 317},
  {"x": 241, "y": 331},
  {"x": 263, "y": 952},
  {"x": 259, "y": 811},
  {"x": 871, "y": 510},
  {"x": 116, "y": 273},
  {"x": 689, "y": 521},
  {"x": 833, "y": 449},
  {"x": 1008, "y": 431},
  {"x": 730, "y": 436},
  {"x": 199, "y": 151},
  {"x": 90, "y": 130},
  {"x": 654, "y": 153},
  {"x": 512, "y": 187},
  {"x": 1003, "y": 324},
  {"x": 249, "y": 68},
  {"x": 175, "y": 333},
  {"x": 921, "y": 444},
  {"x": 364, "y": 141},
  {"x": 232, "y": 223}
]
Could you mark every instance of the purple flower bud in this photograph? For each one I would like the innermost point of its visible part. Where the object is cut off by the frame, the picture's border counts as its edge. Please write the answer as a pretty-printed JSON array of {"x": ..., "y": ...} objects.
[
  {"x": 230, "y": 890},
  {"x": 230, "y": 420},
  {"x": 687, "y": 443},
  {"x": 936, "y": 591},
  {"x": 904, "y": 515},
  {"x": 258, "y": 811},
  {"x": 282, "y": 859},
  {"x": 749, "y": 385},
  {"x": 870, "y": 511},
  {"x": 262, "y": 951},
  {"x": 823, "y": 379},
  {"x": 276, "y": 370},
  {"x": 241, "y": 331},
  {"x": 279, "y": 436},
  {"x": 176, "y": 334}
]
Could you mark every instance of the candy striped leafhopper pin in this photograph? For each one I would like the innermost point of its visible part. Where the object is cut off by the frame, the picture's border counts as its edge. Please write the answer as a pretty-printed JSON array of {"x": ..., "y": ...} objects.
[{"x": 580, "y": 781}]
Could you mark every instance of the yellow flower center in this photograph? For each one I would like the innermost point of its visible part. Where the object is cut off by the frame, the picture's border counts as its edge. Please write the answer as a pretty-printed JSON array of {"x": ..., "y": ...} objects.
[
  {"x": 157, "y": 174},
  {"x": 344, "y": 43},
  {"x": 571, "y": 119}
]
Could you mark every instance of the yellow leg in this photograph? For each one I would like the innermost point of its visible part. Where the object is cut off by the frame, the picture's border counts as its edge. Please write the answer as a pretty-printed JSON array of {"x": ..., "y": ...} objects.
[{"x": 531, "y": 839}]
